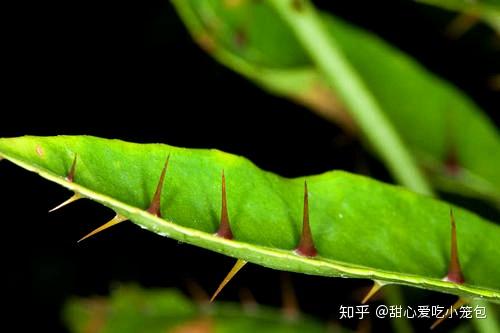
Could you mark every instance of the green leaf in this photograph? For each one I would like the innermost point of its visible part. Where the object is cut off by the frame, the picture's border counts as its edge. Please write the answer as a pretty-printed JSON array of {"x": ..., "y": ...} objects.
[
  {"x": 486, "y": 10},
  {"x": 435, "y": 120},
  {"x": 361, "y": 228},
  {"x": 129, "y": 309},
  {"x": 132, "y": 309}
]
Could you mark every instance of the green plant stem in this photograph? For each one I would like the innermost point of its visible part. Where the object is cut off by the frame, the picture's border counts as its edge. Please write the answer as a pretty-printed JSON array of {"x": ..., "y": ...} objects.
[
  {"x": 324, "y": 52},
  {"x": 488, "y": 324},
  {"x": 393, "y": 296},
  {"x": 371, "y": 215}
]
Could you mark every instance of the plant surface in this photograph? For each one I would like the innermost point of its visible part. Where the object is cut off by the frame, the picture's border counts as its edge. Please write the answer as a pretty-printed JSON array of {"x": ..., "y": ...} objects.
[
  {"x": 132, "y": 309},
  {"x": 359, "y": 227}
]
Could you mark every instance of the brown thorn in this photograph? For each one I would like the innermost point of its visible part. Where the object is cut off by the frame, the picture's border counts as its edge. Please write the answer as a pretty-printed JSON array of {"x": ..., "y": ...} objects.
[
  {"x": 207, "y": 42},
  {"x": 494, "y": 83},
  {"x": 306, "y": 246},
  {"x": 290, "y": 304},
  {"x": 458, "y": 304},
  {"x": 197, "y": 292},
  {"x": 462, "y": 23},
  {"x": 71, "y": 174},
  {"x": 452, "y": 165},
  {"x": 364, "y": 326},
  {"x": 224, "y": 226},
  {"x": 377, "y": 285},
  {"x": 248, "y": 300},
  {"x": 454, "y": 271},
  {"x": 155, "y": 206},
  {"x": 298, "y": 5},
  {"x": 451, "y": 159},
  {"x": 240, "y": 38},
  {"x": 237, "y": 266},
  {"x": 73, "y": 198},
  {"x": 114, "y": 221}
]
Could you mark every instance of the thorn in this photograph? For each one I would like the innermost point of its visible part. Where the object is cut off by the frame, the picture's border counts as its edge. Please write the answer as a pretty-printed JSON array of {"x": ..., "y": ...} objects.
[
  {"x": 73, "y": 198},
  {"x": 115, "y": 220},
  {"x": 364, "y": 326},
  {"x": 240, "y": 38},
  {"x": 248, "y": 300},
  {"x": 458, "y": 304},
  {"x": 377, "y": 285},
  {"x": 451, "y": 161},
  {"x": 224, "y": 226},
  {"x": 71, "y": 174},
  {"x": 454, "y": 271},
  {"x": 207, "y": 42},
  {"x": 239, "y": 265},
  {"x": 494, "y": 83},
  {"x": 290, "y": 304},
  {"x": 306, "y": 246},
  {"x": 197, "y": 292},
  {"x": 297, "y": 5},
  {"x": 461, "y": 24},
  {"x": 155, "y": 206},
  {"x": 39, "y": 150}
]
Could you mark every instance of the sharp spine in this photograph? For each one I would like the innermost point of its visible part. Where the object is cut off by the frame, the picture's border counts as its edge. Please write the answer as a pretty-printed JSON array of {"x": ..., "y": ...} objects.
[
  {"x": 306, "y": 246},
  {"x": 291, "y": 309},
  {"x": 155, "y": 206},
  {"x": 114, "y": 221},
  {"x": 70, "y": 178},
  {"x": 237, "y": 266},
  {"x": 71, "y": 174},
  {"x": 458, "y": 304},
  {"x": 377, "y": 285},
  {"x": 248, "y": 301},
  {"x": 73, "y": 198},
  {"x": 198, "y": 294},
  {"x": 454, "y": 270},
  {"x": 224, "y": 226}
]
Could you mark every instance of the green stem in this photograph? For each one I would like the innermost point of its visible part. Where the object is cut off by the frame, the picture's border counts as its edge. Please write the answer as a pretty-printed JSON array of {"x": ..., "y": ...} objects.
[
  {"x": 323, "y": 50},
  {"x": 363, "y": 107},
  {"x": 393, "y": 296},
  {"x": 488, "y": 324}
]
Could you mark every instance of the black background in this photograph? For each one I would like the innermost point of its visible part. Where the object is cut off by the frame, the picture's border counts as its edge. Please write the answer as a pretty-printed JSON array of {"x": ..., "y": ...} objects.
[{"x": 129, "y": 70}]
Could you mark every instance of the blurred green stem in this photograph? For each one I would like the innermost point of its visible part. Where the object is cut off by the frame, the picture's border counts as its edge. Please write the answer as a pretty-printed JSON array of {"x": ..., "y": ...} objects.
[
  {"x": 323, "y": 50},
  {"x": 488, "y": 324},
  {"x": 393, "y": 296}
]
